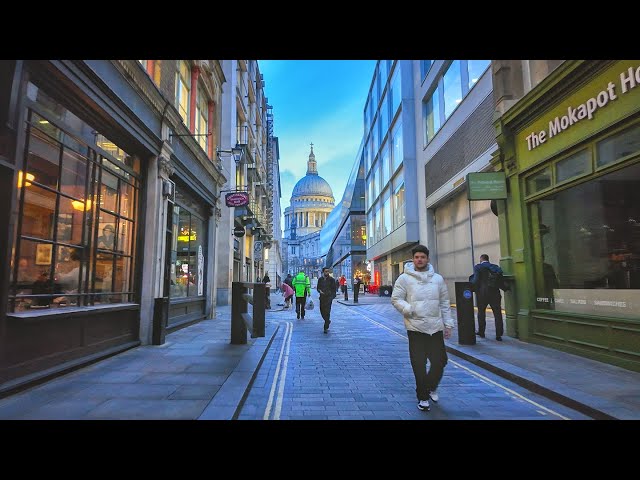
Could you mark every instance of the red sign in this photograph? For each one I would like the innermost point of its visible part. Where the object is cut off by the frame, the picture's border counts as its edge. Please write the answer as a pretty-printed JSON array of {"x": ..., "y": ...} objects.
[{"x": 237, "y": 199}]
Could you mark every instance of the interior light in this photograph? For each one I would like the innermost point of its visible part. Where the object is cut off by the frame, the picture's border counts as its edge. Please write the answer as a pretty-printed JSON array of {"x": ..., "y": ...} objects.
[
  {"x": 30, "y": 177},
  {"x": 43, "y": 122},
  {"x": 80, "y": 205}
]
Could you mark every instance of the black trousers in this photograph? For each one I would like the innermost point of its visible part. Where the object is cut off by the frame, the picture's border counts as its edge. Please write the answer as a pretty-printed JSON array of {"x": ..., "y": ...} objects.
[
  {"x": 325, "y": 309},
  {"x": 494, "y": 302},
  {"x": 300, "y": 303},
  {"x": 423, "y": 346}
]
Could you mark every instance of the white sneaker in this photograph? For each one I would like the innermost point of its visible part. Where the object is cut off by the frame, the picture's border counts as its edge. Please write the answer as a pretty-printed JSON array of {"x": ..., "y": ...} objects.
[
  {"x": 423, "y": 405},
  {"x": 434, "y": 396}
]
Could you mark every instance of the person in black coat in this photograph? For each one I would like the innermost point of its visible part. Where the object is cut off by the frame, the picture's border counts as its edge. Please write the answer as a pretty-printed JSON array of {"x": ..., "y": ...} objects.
[
  {"x": 487, "y": 281},
  {"x": 267, "y": 291},
  {"x": 327, "y": 289}
]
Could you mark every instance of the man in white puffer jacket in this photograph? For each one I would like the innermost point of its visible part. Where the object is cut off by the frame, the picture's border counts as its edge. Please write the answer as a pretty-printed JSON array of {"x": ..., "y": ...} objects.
[{"x": 422, "y": 297}]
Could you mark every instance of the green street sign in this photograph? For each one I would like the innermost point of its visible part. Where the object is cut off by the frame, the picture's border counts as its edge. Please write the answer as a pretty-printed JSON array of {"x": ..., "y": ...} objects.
[{"x": 486, "y": 186}]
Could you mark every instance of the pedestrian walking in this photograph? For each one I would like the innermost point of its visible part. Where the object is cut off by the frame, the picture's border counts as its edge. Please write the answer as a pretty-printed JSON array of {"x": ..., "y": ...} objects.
[
  {"x": 289, "y": 280},
  {"x": 343, "y": 287},
  {"x": 327, "y": 289},
  {"x": 302, "y": 287},
  {"x": 486, "y": 281},
  {"x": 422, "y": 297},
  {"x": 267, "y": 291}
]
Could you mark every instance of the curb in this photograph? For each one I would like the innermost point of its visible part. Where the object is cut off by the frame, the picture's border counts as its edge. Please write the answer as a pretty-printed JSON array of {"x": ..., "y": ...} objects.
[
  {"x": 551, "y": 391},
  {"x": 227, "y": 402}
]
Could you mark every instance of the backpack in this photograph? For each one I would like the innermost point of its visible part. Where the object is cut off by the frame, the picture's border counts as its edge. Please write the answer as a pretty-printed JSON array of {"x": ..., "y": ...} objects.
[
  {"x": 487, "y": 282},
  {"x": 494, "y": 280}
]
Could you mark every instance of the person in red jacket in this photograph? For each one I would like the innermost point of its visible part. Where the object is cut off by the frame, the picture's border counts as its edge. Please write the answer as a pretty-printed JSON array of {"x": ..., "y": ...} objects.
[
  {"x": 343, "y": 286},
  {"x": 288, "y": 292}
]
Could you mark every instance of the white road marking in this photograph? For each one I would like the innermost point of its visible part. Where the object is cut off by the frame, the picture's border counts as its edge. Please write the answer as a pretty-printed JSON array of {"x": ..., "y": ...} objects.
[
  {"x": 283, "y": 376},
  {"x": 475, "y": 374},
  {"x": 287, "y": 335}
]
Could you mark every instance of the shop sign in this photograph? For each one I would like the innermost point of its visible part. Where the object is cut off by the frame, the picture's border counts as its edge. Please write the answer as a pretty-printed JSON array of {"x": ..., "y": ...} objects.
[
  {"x": 486, "y": 186},
  {"x": 238, "y": 232},
  {"x": 627, "y": 80},
  {"x": 257, "y": 250},
  {"x": 237, "y": 199}
]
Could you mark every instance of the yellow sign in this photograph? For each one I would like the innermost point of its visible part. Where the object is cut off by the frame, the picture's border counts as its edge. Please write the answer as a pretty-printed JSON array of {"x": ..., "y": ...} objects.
[{"x": 186, "y": 238}]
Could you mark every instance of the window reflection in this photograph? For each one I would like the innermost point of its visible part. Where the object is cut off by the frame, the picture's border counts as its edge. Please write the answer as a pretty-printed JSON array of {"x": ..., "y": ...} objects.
[
  {"x": 588, "y": 238},
  {"x": 67, "y": 267},
  {"x": 452, "y": 88}
]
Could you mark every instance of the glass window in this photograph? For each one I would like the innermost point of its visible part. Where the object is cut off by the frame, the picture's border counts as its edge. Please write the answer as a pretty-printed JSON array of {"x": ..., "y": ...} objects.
[
  {"x": 202, "y": 113},
  {"x": 618, "y": 146},
  {"x": 386, "y": 215},
  {"x": 384, "y": 72},
  {"x": 73, "y": 246},
  {"x": 384, "y": 166},
  {"x": 452, "y": 88},
  {"x": 396, "y": 91},
  {"x": 425, "y": 66},
  {"x": 183, "y": 89},
  {"x": 538, "y": 181},
  {"x": 397, "y": 146},
  {"x": 476, "y": 69},
  {"x": 384, "y": 116},
  {"x": 366, "y": 116},
  {"x": 574, "y": 166},
  {"x": 366, "y": 157},
  {"x": 587, "y": 250},
  {"x": 375, "y": 138},
  {"x": 398, "y": 205},
  {"x": 432, "y": 116},
  {"x": 378, "y": 220},
  {"x": 370, "y": 230}
]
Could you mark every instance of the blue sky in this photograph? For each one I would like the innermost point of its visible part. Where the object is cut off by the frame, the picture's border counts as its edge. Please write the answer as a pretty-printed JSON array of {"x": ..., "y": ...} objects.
[{"x": 319, "y": 101}]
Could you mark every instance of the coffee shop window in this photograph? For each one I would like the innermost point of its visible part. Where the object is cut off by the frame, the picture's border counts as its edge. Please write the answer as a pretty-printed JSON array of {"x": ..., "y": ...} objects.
[
  {"x": 76, "y": 215},
  {"x": 587, "y": 246}
]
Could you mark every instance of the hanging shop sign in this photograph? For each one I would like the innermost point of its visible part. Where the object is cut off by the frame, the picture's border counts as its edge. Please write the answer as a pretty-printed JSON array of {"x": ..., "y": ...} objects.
[
  {"x": 486, "y": 186},
  {"x": 238, "y": 232},
  {"x": 257, "y": 250},
  {"x": 237, "y": 199}
]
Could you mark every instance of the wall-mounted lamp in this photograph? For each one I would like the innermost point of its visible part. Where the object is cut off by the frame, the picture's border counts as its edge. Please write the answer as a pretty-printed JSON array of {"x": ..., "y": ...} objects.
[{"x": 235, "y": 151}]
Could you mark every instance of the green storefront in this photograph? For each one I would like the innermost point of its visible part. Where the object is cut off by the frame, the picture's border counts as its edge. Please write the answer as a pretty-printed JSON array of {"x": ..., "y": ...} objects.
[{"x": 570, "y": 227}]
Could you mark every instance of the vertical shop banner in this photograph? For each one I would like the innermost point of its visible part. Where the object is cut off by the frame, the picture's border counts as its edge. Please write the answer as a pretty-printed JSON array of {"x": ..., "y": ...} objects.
[
  {"x": 257, "y": 250},
  {"x": 200, "y": 271}
]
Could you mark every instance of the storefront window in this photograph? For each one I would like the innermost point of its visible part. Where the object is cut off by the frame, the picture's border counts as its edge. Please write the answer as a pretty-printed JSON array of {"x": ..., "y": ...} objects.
[
  {"x": 587, "y": 246},
  {"x": 187, "y": 270},
  {"x": 619, "y": 146},
  {"x": 74, "y": 240},
  {"x": 539, "y": 181},
  {"x": 574, "y": 166}
]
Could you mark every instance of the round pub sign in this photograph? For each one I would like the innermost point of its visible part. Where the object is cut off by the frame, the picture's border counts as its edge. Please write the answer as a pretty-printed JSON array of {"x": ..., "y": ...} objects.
[
  {"x": 238, "y": 232},
  {"x": 237, "y": 199}
]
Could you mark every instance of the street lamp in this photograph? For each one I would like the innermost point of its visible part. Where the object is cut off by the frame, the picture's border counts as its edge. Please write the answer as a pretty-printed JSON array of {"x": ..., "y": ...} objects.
[{"x": 235, "y": 151}]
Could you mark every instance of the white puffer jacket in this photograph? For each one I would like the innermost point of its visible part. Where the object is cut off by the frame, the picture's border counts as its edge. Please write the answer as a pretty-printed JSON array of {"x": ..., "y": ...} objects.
[{"x": 423, "y": 300}]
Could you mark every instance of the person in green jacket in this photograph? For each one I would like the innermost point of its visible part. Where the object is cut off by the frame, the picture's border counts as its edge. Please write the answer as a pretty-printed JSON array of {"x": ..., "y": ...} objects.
[{"x": 302, "y": 287}]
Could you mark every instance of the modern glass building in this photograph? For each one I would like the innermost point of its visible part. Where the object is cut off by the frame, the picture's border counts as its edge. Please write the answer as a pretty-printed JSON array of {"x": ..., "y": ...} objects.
[
  {"x": 342, "y": 239},
  {"x": 390, "y": 170}
]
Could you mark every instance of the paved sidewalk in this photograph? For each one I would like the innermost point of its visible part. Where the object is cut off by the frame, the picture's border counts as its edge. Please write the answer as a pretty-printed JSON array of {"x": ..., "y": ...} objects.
[{"x": 195, "y": 374}]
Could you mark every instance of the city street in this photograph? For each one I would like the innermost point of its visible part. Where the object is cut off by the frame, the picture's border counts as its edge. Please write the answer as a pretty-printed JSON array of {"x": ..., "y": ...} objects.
[{"x": 361, "y": 370}]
